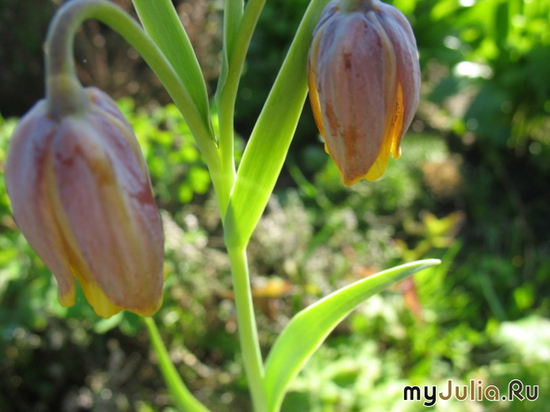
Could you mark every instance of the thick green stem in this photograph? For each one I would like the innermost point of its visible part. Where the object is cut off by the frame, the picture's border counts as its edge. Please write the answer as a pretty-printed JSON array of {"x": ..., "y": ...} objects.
[
  {"x": 183, "y": 399},
  {"x": 248, "y": 334}
]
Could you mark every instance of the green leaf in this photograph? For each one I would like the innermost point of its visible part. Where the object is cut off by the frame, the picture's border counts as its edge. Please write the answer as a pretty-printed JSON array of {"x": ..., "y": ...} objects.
[
  {"x": 232, "y": 14},
  {"x": 161, "y": 22},
  {"x": 268, "y": 145},
  {"x": 309, "y": 328}
]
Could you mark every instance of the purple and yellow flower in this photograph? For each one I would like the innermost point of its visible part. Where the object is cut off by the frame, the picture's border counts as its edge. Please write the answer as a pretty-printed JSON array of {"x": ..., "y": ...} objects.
[
  {"x": 364, "y": 84},
  {"x": 81, "y": 194}
]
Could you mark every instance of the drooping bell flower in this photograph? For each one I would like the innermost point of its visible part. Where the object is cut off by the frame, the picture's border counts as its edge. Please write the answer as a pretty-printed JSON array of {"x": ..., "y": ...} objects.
[
  {"x": 364, "y": 84},
  {"x": 81, "y": 194}
]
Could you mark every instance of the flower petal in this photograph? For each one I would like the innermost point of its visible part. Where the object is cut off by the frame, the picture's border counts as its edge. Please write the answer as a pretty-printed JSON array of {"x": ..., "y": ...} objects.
[
  {"x": 111, "y": 213},
  {"x": 364, "y": 82},
  {"x": 27, "y": 182},
  {"x": 351, "y": 117}
]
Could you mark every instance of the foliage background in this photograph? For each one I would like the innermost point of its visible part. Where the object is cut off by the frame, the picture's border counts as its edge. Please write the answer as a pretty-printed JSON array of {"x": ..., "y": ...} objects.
[{"x": 471, "y": 188}]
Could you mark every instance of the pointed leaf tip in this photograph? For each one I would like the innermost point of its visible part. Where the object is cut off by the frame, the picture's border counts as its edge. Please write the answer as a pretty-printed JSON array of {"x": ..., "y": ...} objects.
[{"x": 310, "y": 327}]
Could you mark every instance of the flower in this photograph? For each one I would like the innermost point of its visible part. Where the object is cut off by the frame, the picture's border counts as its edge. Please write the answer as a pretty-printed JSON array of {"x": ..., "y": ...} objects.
[
  {"x": 81, "y": 194},
  {"x": 364, "y": 83}
]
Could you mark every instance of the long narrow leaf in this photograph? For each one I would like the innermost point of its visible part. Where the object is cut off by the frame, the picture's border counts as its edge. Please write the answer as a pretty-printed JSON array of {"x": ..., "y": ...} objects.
[
  {"x": 309, "y": 328},
  {"x": 161, "y": 22},
  {"x": 268, "y": 145}
]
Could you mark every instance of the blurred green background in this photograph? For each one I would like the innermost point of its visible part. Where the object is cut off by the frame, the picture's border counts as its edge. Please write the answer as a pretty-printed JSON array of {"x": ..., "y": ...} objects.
[{"x": 471, "y": 188}]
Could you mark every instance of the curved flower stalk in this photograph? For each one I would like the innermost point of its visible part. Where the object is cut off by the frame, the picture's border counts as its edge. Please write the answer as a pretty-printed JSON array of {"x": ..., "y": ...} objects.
[
  {"x": 364, "y": 83},
  {"x": 81, "y": 195}
]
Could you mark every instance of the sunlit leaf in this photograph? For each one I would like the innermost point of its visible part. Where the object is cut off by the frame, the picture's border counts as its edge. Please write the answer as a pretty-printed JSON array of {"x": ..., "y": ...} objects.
[
  {"x": 268, "y": 145},
  {"x": 162, "y": 23},
  {"x": 309, "y": 328}
]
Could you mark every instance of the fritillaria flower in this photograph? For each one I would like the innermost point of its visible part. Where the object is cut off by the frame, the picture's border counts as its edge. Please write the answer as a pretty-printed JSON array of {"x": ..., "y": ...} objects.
[
  {"x": 364, "y": 82},
  {"x": 81, "y": 194}
]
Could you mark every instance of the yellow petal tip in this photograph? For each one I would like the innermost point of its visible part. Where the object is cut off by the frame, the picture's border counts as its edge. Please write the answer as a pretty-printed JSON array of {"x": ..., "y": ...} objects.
[{"x": 67, "y": 299}]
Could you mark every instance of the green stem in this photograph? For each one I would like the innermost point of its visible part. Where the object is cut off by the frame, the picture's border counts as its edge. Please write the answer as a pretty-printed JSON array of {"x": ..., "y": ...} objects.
[
  {"x": 61, "y": 63},
  {"x": 232, "y": 14},
  {"x": 236, "y": 47},
  {"x": 184, "y": 400},
  {"x": 248, "y": 334},
  {"x": 349, "y": 6},
  {"x": 64, "y": 93}
]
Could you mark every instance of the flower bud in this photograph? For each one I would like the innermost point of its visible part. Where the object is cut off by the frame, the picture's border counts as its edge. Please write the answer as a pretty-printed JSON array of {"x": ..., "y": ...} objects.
[
  {"x": 364, "y": 84},
  {"x": 81, "y": 194}
]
